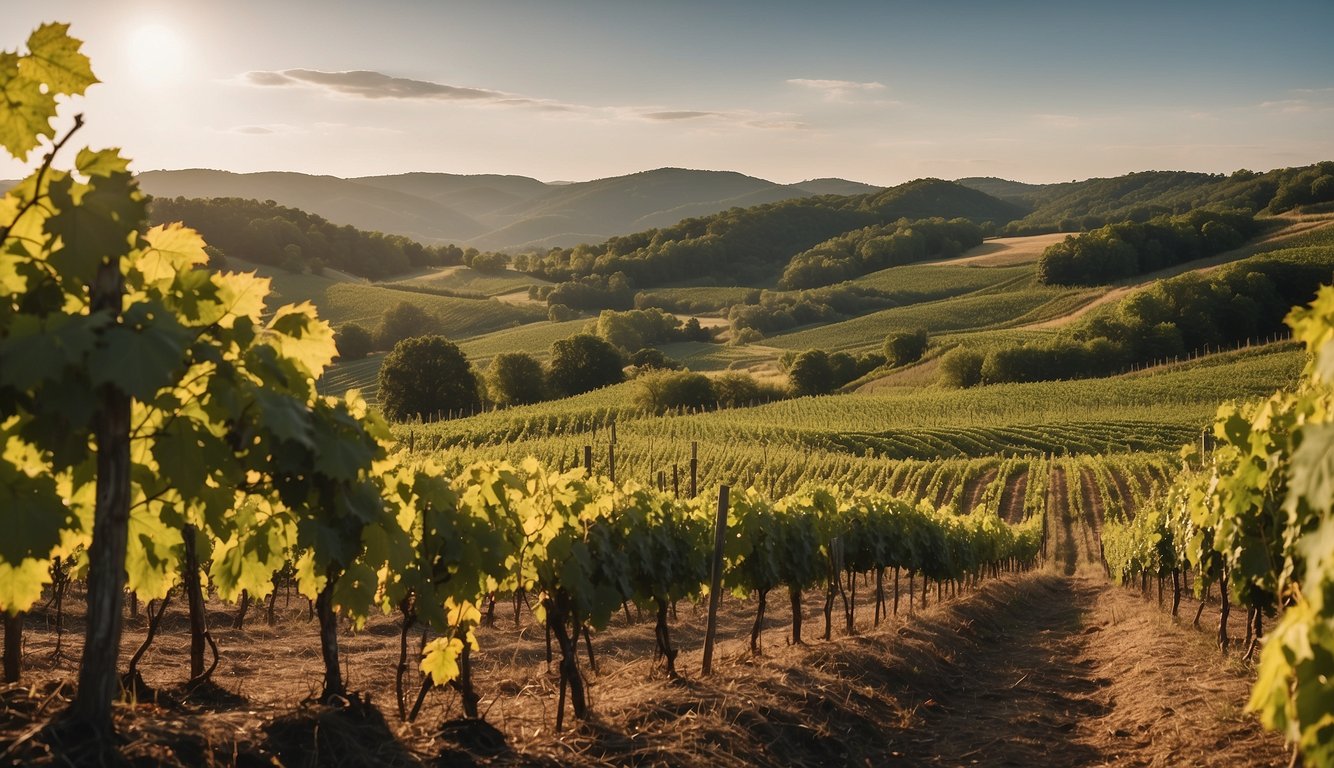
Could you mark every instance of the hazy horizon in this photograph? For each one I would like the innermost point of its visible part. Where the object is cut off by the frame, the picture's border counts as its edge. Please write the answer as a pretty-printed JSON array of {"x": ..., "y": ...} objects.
[{"x": 879, "y": 93}]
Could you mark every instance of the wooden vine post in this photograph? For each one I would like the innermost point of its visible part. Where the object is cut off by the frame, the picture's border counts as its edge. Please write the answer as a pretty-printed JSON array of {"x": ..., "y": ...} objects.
[
  {"x": 694, "y": 468},
  {"x": 715, "y": 576}
]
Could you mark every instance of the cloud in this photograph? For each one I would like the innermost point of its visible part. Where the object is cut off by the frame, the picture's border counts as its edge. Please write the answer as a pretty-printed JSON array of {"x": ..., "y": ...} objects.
[
  {"x": 679, "y": 115},
  {"x": 367, "y": 84},
  {"x": 1304, "y": 100},
  {"x": 264, "y": 130},
  {"x": 841, "y": 90},
  {"x": 371, "y": 85}
]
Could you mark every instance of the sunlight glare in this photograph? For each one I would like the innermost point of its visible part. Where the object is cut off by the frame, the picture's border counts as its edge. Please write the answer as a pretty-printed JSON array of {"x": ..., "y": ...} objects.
[{"x": 157, "y": 54}]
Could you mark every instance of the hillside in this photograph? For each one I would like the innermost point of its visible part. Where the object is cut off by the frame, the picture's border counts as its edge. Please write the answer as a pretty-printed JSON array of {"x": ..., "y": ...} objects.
[
  {"x": 1076, "y": 205},
  {"x": 497, "y": 212}
]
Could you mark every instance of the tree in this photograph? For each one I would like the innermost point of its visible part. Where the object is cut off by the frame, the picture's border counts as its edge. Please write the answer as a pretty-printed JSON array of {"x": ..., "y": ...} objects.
[
  {"x": 354, "y": 342},
  {"x": 961, "y": 367},
  {"x": 403, "y": 321},
  {"x": 582, "y": 363},
  {"x": 811, "y": 373},
  {"x": 650, "y": 358},
  {"x": 515, "y": 378},
  {"x": 905, "y": 347},
  {"x": 842, "y": 368},
  {"x": 662, "y": 391},
  {"x": 425, "y": 377}
]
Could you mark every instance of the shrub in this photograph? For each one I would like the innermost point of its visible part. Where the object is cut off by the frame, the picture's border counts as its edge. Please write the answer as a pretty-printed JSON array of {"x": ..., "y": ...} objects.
[
  {"x": 662, "y": 391},
  {"x": 905, "y": 347},
  {"x": 354, "y": 342},
  {"x": 515, "y": 378},
  {"x": 961, "y": 367}
]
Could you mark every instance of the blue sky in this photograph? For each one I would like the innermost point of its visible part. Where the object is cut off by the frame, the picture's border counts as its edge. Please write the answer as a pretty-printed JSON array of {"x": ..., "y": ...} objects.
[{"x": 875, "y": 91}]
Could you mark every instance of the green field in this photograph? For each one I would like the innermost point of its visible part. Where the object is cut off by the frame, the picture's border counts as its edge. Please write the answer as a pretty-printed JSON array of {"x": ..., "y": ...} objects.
[
  {"x": 971, "y": 312},
  {"x": 468, "y": 280},
  {"x": 852, "y": 435}
]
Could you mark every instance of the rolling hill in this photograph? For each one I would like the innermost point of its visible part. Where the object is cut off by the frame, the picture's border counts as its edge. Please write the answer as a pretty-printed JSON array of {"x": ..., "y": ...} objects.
[{"x": 497, "y": 212}]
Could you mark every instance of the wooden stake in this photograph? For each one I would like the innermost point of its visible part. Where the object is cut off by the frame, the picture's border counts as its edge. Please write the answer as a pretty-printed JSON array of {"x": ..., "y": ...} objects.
[{"x": 715, "y": 578}]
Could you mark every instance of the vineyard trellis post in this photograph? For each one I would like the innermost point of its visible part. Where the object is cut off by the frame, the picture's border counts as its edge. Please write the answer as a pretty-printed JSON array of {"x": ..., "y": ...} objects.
[
  {"x": 715, "y": 577},
  {"x": 694, "y": 468}
]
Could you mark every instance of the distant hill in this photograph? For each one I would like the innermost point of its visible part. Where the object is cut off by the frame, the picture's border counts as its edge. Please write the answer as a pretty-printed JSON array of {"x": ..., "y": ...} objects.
[
  {"x": 1082, "y": 205},
  {"x": 341, "y": 201},
  {"x": 498, "y": 212},
  {"x": 742, "y": 245}
]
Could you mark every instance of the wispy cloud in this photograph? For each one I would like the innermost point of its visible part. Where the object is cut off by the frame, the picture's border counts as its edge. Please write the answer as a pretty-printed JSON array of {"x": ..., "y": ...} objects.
[
  {"x": 1302, "y": 101},
  {"x": 842, "y": 90},
  {"x": 678, "y": 115},
  {"x": 371, "y": 85},
  {"x": 367, "y": 84}
]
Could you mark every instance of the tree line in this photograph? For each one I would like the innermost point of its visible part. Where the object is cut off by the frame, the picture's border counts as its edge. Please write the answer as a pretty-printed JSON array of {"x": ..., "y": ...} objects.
[
  {"x": 869, "y": 249},
  {"x": 1128, "y": 248},
  {"x": 1171, "y": 318},
  {"x": 296, "y": 241}
]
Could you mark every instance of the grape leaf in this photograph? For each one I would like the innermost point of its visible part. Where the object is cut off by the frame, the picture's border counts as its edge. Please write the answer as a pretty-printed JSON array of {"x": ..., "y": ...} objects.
[
  {"x": 441, "y": 659},
  {"x": 138, "y": 363},
  {"x": 1312, "y": 468},
  {"x": 54, "y": 58},
  {"x": 21, "y": 585},
  {"x": 25, "y": 111},
  {"x": 171, "y": 249}
]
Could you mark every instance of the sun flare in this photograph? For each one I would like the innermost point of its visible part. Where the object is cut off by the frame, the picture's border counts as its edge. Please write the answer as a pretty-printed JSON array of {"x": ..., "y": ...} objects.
[{"x": 157, "y": 54}]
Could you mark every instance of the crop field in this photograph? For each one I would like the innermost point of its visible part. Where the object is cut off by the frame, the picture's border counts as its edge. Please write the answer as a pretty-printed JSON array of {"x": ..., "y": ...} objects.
[
  {"x": 971, "y": 312},
  {"x": 468, "y": 280}
]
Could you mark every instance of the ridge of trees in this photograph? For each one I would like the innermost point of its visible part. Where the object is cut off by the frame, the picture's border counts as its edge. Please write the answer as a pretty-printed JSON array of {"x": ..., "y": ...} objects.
[
  {"x": 1117, "y": 251},
  {"x": 1145, "y": 195},
  {"x": 1170, "y": 318},
  {"x": 297, "y": 241},
  {"x": 869, "y": 249},
  {"x": 740, "y": 245}
]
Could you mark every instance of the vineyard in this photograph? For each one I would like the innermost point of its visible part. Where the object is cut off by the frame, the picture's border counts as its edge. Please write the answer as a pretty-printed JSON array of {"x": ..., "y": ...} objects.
[{"x": 208, "y": 560}]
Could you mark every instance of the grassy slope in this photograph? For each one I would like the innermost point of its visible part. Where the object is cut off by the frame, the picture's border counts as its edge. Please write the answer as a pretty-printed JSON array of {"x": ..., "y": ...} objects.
[{"x": 470, "y": 280}]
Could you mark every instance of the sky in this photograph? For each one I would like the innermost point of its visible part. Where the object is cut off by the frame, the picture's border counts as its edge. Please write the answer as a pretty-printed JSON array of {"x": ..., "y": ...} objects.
[{"x": 880, "y": 92}]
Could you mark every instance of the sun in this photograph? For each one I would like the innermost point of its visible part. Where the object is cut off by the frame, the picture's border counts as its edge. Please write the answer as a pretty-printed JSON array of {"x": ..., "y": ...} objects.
[{"x": 156, "y": 54}]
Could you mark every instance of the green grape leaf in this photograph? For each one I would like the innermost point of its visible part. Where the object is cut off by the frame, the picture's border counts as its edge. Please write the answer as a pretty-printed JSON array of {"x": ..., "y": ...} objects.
[
  {"x": 171, "y": 249},
  {"x": 54, "y": 58},
  {"x": 441, "y": 659},
  {"x": 25, "y": 116},
  {"x": 286, "y": 418},
  {"x": 34, "y": 513},
  {"x": 101, "y": 162},
  {"x": 95, "y": 222},
  {"x": 21, "y": 584},
  {"x": 1312, "y": 468},
  {"x": 185, "y": 453},
  {"x": 242, "y": 294},
  {"x": 354, "y": 591},
  {"x": 153, "y": 554},
  {"x": 139, "y": 363},
  {"x": 302, "y": 336}
]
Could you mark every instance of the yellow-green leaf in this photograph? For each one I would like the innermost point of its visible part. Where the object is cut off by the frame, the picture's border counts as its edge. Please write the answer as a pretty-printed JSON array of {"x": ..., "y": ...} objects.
[{"x": 54, "y": 58}]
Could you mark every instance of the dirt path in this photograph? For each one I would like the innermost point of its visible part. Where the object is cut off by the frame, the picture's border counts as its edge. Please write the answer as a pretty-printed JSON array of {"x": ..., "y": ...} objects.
[
  {"x": 1071, "y": 671},
  {"x": 1013, "y": 497},
  {"x": 972, "y": 495}
]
